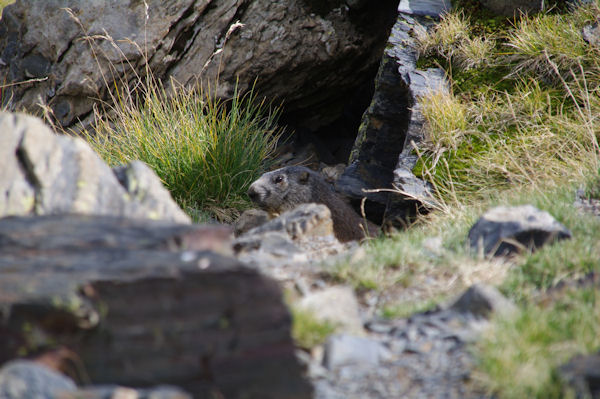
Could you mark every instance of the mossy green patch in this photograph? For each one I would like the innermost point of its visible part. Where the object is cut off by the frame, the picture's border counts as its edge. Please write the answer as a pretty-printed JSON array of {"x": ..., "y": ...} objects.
[{"x": 307, "y": 331}]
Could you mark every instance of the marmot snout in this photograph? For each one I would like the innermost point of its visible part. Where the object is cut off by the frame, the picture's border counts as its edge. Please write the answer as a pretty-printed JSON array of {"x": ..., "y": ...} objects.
[{"x": 283, "y": 189}]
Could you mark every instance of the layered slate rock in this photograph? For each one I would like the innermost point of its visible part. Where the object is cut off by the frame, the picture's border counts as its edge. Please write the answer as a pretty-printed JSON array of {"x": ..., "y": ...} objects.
[
  {"x": 44, "y": 173},
  {"x": 311, "y": 54},
  {"x": 300, "y": 235},
  {"x": 143, "y": 303},
  {"x": 382, "y": 156},
  {"x": 505, "y": 230}
]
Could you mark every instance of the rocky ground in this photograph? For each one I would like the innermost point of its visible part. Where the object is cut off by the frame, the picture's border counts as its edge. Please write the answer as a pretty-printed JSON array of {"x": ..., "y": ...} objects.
[
  {"x": 191, "y": 311},
  {"x": 425, "y": 355}
]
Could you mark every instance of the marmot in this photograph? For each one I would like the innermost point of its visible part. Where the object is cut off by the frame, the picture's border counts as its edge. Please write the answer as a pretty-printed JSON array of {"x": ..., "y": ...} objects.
[{"x": 283, "y": 189}]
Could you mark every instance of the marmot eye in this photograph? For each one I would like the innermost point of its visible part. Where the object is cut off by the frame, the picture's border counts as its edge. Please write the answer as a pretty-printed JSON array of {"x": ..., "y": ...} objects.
[{"x": 278, "y": 179}]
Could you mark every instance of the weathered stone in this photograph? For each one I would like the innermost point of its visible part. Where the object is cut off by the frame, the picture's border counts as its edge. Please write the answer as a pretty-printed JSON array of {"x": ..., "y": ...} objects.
[
  {"x": 27, "y": 379},
  {"x": 295, "y": 237},
  {"x": 250, "y": 219},
  {"x": 582, "y": 373},
  {"x": 118, "y": 392},
  {"x": 505, "y": 230},
  {"x": 591, "y": 34},
  {"x": 345, "y": 349},
  {"x": 306, "y": 220},
  {"x": 482, "y": 300},
  {"x": 510, "y": 8},
  {"x": 432, "y": 8},
  {"x": 143, "y": 186},
  {"x": 273, "y": 243},
  {"x": 382, "y": 155},
  {"x": 311, "y": 54},
  {"x": 140, "y": 306},
  {"x": 336, "y": 305},
  {"x": 48, "y": 174}
]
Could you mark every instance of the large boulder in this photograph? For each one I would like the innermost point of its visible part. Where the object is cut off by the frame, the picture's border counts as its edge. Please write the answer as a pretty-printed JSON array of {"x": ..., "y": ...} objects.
[
  {"x": 143, "y": 303},
  {"x": 44, "y": 173},
  {"x": 382, "y": 156},
  {"x": 312, "y": 54}
]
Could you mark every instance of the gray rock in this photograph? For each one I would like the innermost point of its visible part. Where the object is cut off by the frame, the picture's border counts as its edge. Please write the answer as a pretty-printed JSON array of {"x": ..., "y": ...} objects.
[
  {"x": 337, "y": 305},
  {"x": 382, "y": 155},
  {"x": 591, "y": 34},
  {"x": 271, "y": 243},
  {"x": 297, "y": 237},
  {"x": 505, "y": 230},
  {"x": 250, "y": 219},
  {"x": 482, "y": 300},
  {"x": 142, "y": 303},
  {"x": 511, "y": 7},
  {"x": 342, "y": 350},
  {"x": 115, "y": 392},
  {"x": 144, "y": 187},
  {"x": 26, "y": 379},
  {"x": 432, "y": 8},
  {"x": 48, "y": 174},
  {"x": 312, "y": 54},
  {"x": 306, "y": 220},
  {"x": 582, "y": 373}
]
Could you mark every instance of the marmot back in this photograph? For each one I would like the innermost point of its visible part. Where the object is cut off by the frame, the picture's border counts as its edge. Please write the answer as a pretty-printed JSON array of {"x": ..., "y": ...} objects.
[{"x": 283, "y": 189}]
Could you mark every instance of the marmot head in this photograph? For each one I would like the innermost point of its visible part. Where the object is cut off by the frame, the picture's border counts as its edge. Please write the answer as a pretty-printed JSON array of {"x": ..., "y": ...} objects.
[{"x": 281, "y": 189}]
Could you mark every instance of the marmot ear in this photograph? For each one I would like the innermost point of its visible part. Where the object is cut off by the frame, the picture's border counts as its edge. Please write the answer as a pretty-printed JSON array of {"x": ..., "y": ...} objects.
[{"x": 304, "y": 177}]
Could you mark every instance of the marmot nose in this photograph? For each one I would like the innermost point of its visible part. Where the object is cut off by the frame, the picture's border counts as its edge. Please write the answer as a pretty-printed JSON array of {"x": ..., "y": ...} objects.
[{"x": 253, "y": 194}]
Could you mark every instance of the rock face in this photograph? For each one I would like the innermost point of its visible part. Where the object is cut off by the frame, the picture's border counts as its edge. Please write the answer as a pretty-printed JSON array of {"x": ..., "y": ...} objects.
[
  {"x": 44, "y": 174},
  {"x": 505, "y": 230},
  {"x": 382, "y": 154},
  {"x": 311, "y": 54},
  {"x": 140, "y": 303}
]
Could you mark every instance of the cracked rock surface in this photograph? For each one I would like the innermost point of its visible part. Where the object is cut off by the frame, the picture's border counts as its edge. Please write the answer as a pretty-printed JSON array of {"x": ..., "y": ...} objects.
[
  {"x": 309, "y": 54},
  {"x": 44, "y": 174}
]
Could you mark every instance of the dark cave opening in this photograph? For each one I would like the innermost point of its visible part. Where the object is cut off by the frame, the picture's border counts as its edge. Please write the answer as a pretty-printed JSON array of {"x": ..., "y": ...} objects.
[{"x": 332, "y": 141}]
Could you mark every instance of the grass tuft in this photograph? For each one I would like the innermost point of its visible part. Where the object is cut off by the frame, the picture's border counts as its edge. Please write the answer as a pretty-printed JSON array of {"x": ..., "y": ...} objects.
[
  {"x": 445, "y": 38},
  {"x": 521, "y": 354},
  {"x": 537, "y": 43},
  {"x": 206, "y": 151},
  {"x": 307, "y": 331},
  {"x": 447, "y": 120}
]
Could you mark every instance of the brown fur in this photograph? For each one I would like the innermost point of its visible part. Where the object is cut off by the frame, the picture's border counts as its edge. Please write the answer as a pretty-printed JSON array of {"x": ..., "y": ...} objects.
[{"x": 283, "y": 189}]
